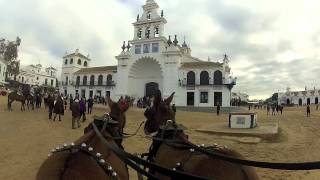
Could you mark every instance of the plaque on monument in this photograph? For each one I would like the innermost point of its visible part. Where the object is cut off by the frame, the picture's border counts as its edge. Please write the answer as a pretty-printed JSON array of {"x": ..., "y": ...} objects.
[{"x": 243, "y": 120}]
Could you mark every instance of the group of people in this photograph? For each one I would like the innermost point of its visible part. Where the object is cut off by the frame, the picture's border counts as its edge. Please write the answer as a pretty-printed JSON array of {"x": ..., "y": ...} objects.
[
  {"x": 275, "y": 109},
  {"x": 57, "y": 105}
]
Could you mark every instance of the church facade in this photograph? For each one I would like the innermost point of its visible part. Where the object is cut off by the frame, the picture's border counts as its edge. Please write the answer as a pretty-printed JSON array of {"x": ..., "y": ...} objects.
[{"x": 148, "y": 62}]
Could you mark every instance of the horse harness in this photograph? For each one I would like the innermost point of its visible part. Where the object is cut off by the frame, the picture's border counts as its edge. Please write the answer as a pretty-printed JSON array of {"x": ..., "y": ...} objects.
[{"x": 89, "y": 151}]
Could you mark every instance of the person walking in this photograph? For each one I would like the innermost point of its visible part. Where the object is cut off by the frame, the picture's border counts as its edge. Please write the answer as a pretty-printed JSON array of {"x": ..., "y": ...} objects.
[
  {"x": 82, "y": 106},
  {"x": 90, "y": 105},
  {"x": 308, "y": 111},
  {"x": 58, "y": 108},
  {"x": 268, "y": 109},
  {"x": 50, "y": 103},
  {"x": 75, "y": 109},
  {"x": 273, "y": 110},
  {"x": 218, "y": 109}
]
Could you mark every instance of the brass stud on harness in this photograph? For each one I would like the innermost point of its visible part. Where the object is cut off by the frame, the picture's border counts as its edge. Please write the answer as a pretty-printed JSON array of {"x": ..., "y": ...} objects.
[
  {"x": 57, "y": 148},
  {"x": 102, "y": 161},
  {"x": 202, "y": 145},
  {"x": 90, "y": 149},
  {"x": 50, "y": 154},
  {"x": 53, "y": 150},
  {"x": 178, "y": 164},
  {"x": 65, "y": 145},
  {"x": 174, "y": 169},
  {"x": 72, "y": 144},
  {"x": 98, "y": 155},
  {"x": 83, "y": 145},
  {"x": 114, "y": 174},
  {"x": 109, "y": 168},
  {"x": 191, "y": 150}
]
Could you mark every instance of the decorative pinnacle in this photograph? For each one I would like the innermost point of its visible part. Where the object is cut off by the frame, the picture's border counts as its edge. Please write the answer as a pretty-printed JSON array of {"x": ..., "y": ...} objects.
[
  {"x": 175, "y": 42},
  {"x": 123, "y": 46},
  {"x": 169, "y": 41}
]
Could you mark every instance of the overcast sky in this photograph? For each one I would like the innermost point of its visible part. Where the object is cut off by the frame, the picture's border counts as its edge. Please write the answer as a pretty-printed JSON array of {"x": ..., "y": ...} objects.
[{"x": 272, "y": 44}]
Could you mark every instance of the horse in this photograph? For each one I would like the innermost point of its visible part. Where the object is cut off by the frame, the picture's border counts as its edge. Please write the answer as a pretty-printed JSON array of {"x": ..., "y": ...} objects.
[
  {"x": 30, "y": 101},
  {"x": 14, "y": 96},
  {"x": 94, "y": 160},
  {"x": 181, "y": 157}
]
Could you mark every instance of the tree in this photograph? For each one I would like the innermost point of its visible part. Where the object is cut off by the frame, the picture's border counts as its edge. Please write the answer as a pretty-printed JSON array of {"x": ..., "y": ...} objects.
[{"x": 9, "y": 52}]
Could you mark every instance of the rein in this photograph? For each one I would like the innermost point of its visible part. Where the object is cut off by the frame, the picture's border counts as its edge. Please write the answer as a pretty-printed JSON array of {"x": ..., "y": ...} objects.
[
  {"x": 134, "y": 162},
  {"x": 259, "y": 164}
]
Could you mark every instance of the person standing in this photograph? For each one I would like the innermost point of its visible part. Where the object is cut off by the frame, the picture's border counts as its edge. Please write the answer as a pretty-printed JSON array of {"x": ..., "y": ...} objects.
[
  {"x": 308, "y": 111},
  {"x": 82, "y": 106},
  {"x": 281, "y": 109},
  {"x": 268, "y": 109},
  {"x": 90, "y": 105},
  {"x": 58, "y": 108},
  {"x": 70, "y": 101},
  {"x": 273, "y": 110},
  {"x": 75, "y": 109},
  {"x": 50, "y": 102},
  {"x": 174, "y": 109},
  {"x": 218, "y": 109}
]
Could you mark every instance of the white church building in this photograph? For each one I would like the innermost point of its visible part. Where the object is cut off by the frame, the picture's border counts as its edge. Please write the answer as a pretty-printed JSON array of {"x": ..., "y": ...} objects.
[
  {"x": 148, "y": 62},
  {"x": 299, "y": 98},
  {"x": 3, "y": 70}
]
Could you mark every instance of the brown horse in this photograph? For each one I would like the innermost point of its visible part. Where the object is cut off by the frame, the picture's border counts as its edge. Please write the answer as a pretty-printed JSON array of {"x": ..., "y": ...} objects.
[
  {"x": 73, "y": 164},
  {"x": 14, "y": 96},
  {"x": 181, "y": 157}
]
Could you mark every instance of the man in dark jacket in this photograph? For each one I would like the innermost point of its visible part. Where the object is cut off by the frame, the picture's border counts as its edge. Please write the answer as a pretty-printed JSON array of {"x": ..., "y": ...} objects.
[
  {"x": 218, "y": 109},
  {"x": 75, "y": 108},
  {"x": 58, "y": 108},
  {"x": 90, "y": 105},
  {"x": 50, "y": 103}
]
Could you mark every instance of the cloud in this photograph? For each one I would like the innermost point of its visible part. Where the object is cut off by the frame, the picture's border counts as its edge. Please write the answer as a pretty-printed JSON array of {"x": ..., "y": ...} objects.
[{"x": 270, "y": 46}]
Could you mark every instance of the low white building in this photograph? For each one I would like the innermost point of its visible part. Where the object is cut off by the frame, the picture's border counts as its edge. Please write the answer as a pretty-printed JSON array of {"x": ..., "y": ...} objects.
[
  {"x": 149, "y": 62},
  {"x": 300, "y": 98},
  {"x": 35, "y": 75},
  {"x": 3, "y": 70}
]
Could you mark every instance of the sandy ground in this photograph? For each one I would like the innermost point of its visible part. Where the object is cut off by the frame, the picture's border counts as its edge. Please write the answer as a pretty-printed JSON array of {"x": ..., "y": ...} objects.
[{"x": 27, "y": 137}]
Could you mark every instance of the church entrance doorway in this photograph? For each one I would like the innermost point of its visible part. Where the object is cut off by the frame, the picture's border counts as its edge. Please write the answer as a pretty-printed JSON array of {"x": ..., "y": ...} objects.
[
  {"x": 151, "y": 89},
  {"x": 218, "y": 98},
  {"x": 190, "y": 98},
  {"x": 300, "y": 102}
]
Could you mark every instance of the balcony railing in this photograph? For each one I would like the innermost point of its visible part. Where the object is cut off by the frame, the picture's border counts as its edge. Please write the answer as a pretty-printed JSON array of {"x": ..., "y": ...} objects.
[{"x": 96, "y": 83}]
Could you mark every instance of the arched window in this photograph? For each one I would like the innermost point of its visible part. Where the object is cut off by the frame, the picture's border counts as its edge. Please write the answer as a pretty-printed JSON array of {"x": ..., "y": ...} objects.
[
  {"x": 204, "y": 78},
  {"x": 308, "y": 101},
  {"x": 71, "y": 61},
  {"x": 67, "y": 79},
  {"x": 84, "y": 80},
  {"x": 191, "y": 78},
  {"x": 79, "y": 61},
  {"x": 156, "y": 32},
  {"x": 288, "y": 101},
  {"x": 149, "y": 15},
  {"x": 92, "y": 80},
  {"x": 66, "y": 61},
  {"x": 139, "y": 33},
  {"x": 85, "y": 64},
  {"x": 316, "y": 100},
  {"x": 300, "y": 102},
  {"x": 78, "y": 81},
  {"x": 109, "y": 80},
  {"x": 147, "y": 34},
  {"x": 100, "y": 80},
  {"x": 217, "y": 77}
]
